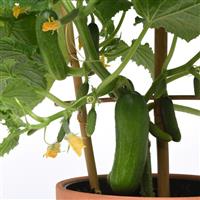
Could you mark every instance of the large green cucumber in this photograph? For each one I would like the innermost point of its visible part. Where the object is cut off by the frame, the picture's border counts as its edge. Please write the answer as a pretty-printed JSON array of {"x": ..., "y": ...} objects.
[
  {"x": 49, "y": 47},
  {"x": 132, "y": 127},
  {"x": 169, "y": 118}
]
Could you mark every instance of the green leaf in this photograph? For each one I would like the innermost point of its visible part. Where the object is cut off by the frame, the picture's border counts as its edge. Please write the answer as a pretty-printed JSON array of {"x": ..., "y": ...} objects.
[
  {"x": 9, "y": 143},
  {"x": 69, "y": 17},
  {"x": 107, "y": 28},
  {"x": 23, "y": 28},
  {"x": 107, "y": 9},
  {"x": 177, "y": 16},
  {"x": 117, "y": 48},
  {"x": 16, "y": 84},
  {"x": 10, "y": 48},
  {"x": 144, "y": 55},
  {"x": 32, "y": 6},
  {"x": 30, "y": 72},
  {"x": 22, "y": 74},
  {"x": 17, "y": 88}
]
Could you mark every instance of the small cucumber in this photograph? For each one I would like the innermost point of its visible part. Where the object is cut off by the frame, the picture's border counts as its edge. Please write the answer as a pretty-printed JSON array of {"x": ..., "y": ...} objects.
[
  {"x": 158, "y": 133},
  {"x": 169, "y": 118},
  {"x": 91, "y": 121},
  {"x": 49, "y": 47},
  {"x": 132, "y": 127},
  {"x": 64, "y": 129},
  {"x": 94, "y": 31},
  {"x": 196, "y": 83}
]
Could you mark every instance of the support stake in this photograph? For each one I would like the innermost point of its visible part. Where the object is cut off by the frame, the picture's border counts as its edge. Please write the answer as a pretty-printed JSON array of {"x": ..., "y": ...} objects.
[
  {"x": 162, "y": 147},
  {"x": 82, "y": 115}
]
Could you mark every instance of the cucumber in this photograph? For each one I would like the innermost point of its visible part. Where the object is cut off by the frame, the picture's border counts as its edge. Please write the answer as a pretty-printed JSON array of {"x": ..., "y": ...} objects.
[
  {"x": 196, "y": 83},
  {"x": 169, "y": 118},
  {"x": 132, "y": 127},
  {"x": 94, "y": 31},
  {"x": 159, "y": 133},
  {"x": 49, "y": 47},
  {"x": 91, "y": 121}
]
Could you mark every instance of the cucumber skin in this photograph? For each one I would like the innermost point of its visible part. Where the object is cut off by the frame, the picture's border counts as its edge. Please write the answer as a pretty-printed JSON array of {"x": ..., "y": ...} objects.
[
  {"x": 91, "y": 122},
  {"x": 169, "y": 118},
  {"x": 94, "y": 31},
  {"x": 131, "y": 143},
  {"x": 49, "y": 47},
  {"x": 196, "y": 83}
]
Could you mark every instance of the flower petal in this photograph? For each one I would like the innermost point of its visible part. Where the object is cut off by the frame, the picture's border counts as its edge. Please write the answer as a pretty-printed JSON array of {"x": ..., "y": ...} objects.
[
  {"x": 76, "y": 143},
  {"x": 50, "y": 26},
  {"x": 52, "y": 150}
]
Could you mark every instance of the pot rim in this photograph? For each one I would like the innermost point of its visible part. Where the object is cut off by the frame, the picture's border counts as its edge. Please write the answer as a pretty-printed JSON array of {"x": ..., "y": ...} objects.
[{"x": 60, "y": 187}]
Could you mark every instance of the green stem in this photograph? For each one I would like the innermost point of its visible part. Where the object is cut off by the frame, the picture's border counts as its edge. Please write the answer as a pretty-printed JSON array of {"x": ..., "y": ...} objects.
[
  {"x": 187, "y": 109},
  {"x": 194, "y": 72},
  {"x": 129, "y": 55},
  {"x": 79, "y": 3},
  {"x": 184, "y": 67},
  {"x": 177, "y": 76},
  {"x": 119, "y": 53},
  {"x": 156, "y": 82},
  {"x": 112, "y": 35},
  {"x": 88, "y": 43},
  {"x": 76, "y": 71},
  {"x": 53, "y": 98},
  {"x": 173, "y": 74},
  {"x": 171, "y": 52},
  {"x": 28, "y": 111},
  {"x": 34, "y": 116},
  {"x": 90, "y": 7}
]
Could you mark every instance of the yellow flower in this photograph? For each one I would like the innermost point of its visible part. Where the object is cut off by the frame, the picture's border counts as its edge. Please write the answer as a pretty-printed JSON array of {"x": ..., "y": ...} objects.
[
  {"x": 76, "y": 143},
  {"x": 50, "y": 25},
  {"x": 52, "y": 150},
  {"x": 103, "y": 61},
  {"x": 17, "y": 10}
]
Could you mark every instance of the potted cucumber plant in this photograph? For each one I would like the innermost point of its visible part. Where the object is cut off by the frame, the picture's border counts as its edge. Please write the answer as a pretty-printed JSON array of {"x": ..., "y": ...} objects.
[{"x": 38, "y": 46}]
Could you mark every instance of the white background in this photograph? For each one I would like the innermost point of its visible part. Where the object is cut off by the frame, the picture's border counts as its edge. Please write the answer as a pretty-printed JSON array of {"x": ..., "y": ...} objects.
[{"x": 26, "y": 174}]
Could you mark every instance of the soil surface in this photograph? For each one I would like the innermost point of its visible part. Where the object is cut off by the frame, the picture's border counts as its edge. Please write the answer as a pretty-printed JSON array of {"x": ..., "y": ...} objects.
[{"x": 178, "y": 188}]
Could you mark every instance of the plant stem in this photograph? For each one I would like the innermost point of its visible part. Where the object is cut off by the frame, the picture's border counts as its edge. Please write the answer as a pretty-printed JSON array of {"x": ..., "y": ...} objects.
[
  {"x": 177, "y": 76},
  {"x": 119, "y": 53},
  {"x": 90, "y": 7},
  {"x": 171, "y": 52},
  {"x": 173, "y": 74},
  {"x": 151, "y": 90},
  {"x": 129, "y": 55},
  {"x": 112, "y": 35},
  {"x": 88, "y": 43},
  {"x": 194, "y": 72},
  {"x": 34, "y": 116},
  {"x": 184, "y": 67},
  {"x": 187, "y": 109},
  {"x": 76, "y": 72},
  {"x": 53, "y": 98}
]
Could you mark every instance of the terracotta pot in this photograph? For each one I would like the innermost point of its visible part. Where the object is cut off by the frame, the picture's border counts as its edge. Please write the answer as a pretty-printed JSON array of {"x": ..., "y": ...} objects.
[{"x": 186, "y": 185}]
